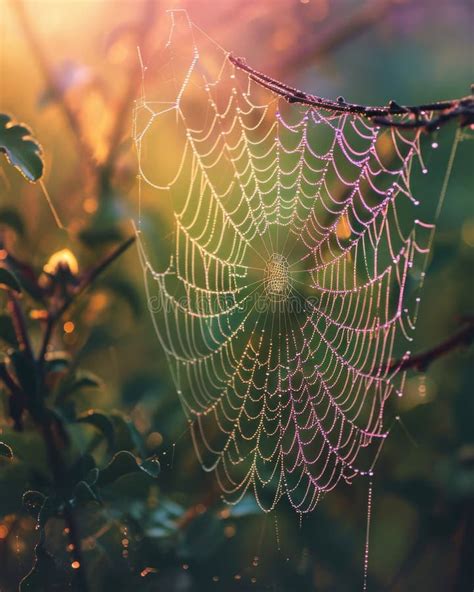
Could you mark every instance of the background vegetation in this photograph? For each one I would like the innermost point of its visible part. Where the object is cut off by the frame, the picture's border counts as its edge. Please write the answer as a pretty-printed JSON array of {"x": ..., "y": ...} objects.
[{"x": 70, "y": 70}]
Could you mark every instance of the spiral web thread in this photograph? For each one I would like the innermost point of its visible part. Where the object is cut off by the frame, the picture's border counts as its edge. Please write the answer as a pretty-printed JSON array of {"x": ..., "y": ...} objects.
[{"x": 293, "y": 281}]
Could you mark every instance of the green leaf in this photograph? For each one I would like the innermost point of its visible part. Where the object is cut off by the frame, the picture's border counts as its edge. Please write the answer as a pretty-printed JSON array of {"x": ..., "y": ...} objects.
[
  {"x": 5, "y": 450},
  {"x": 82, "y": 379},
  {"x": 124, "y": 463},
  {"x": 41, "y": 507},
  {"x": 127, "y": 436},
  {"x": 49, "y": 509},
  {"x": 92, "y": 476},
  {"x": 83, "y": 493},
  {"x": 44, "y": 575},
  {"x": 9, "y": 280},
  {"x": 21, "y": 150},
  {"x": 58, "y": 362},
  {"x": 33, "y": 501},
  {"x": 100, "y": 421},
  {"x": 151, "y": 466}
]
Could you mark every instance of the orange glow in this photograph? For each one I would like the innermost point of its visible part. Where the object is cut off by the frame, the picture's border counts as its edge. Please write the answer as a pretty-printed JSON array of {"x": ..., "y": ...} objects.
[
  {"x": 68, "y": 327},
  {"x": 147, "y": 571},
  {"x": 343, "y": 229},
  {"x": 154, "y": 440},
  {"x": 90, "y": 205},
  {"x": 3, "y": 531},
  {"x": 230, "y": 531},
  {"x": 75, "y": 565},
  {"x": 38, "y": 315}
]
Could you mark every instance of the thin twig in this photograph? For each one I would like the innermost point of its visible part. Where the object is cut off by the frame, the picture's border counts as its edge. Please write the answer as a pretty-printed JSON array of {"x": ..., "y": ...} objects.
[
  {"x": 461, "y": 109},
  {"x": 421, "y": 361},
  {"x": 88, "y": 279}
]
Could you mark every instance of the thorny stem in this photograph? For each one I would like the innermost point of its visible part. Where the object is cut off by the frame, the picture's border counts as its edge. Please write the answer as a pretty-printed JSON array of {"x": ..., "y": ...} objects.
[{"x": 459, "y": 109}]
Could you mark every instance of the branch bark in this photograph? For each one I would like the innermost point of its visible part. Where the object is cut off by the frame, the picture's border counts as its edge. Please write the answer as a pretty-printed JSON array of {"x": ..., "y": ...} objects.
[
  {"x": 421, "y": 361},
  {"x": 445, "y": 111}
]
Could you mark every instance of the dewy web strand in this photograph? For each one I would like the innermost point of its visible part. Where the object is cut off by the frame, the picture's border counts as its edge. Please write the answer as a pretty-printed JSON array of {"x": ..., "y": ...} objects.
[{"x": 298, "y": 250}]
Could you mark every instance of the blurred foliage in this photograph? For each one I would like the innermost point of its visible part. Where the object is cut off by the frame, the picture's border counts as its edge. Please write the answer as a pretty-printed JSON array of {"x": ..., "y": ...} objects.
[{"x": 107, "y": 392}]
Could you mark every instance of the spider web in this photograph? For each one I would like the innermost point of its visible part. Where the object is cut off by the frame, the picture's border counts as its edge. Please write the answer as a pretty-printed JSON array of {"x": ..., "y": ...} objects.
[{"x": 293, "y": 273}]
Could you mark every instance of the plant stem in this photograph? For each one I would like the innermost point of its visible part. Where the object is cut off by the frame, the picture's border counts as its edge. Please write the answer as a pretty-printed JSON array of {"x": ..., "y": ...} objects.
[
  {"x": 43, "y": 419},
  {"x": 19, "y": 324},
  {"x": 59, "y": 471},
  {"x": 89, "y": 278}
]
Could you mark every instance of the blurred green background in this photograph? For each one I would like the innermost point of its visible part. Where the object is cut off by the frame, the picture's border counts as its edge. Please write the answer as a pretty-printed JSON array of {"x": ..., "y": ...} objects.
[{"x": 413, "y": 51}]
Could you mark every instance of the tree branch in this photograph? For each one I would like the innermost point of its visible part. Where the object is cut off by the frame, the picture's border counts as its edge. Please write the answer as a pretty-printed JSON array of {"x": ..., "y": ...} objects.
[
  {"x": 421, "y": 361},
  {"x": 454, "y": 109}
]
